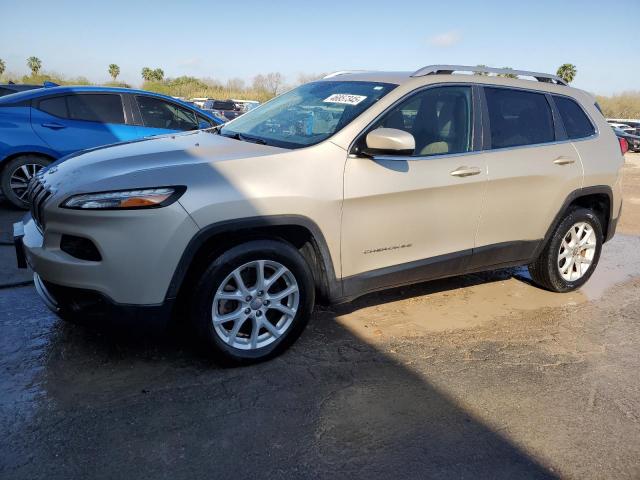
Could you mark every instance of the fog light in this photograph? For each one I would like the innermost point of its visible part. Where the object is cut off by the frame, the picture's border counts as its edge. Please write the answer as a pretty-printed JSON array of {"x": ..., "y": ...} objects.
[{"x": 79, "y": 247}]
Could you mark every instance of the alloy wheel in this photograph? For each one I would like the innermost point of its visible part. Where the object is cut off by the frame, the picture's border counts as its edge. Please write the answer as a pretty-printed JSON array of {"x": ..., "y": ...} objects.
[
  {"x": 577, "y": 251},
  {"x": 255, "y": 304},
  {"x": 20, "y": 178}
]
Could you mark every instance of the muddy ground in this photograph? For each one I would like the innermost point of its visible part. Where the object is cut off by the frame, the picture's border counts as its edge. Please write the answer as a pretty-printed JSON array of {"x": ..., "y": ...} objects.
[{"x": 479, "y": 376}]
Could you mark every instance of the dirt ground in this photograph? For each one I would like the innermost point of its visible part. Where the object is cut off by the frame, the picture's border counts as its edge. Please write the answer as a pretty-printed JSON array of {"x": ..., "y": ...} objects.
[{"x": 478, "y": 376}]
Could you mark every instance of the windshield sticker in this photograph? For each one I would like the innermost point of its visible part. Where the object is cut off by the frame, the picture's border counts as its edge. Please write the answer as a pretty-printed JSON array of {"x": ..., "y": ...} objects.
[{"x": 344, "y": 98}]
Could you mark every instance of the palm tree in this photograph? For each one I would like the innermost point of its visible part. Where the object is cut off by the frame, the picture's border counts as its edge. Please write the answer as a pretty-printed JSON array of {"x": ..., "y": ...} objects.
[
  {"x": 157, "y": 74},
  {"x": 147, "y": 74},
  {"x": 34, "y": 64},
  {"x": 114, "y": 71},
  {"x": 567, "y": 72},
  {"x": 3, "y": 67}
]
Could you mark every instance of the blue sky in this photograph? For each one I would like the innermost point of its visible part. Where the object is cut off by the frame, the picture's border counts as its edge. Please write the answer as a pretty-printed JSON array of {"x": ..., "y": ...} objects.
[{"x": 241, "y": 38}]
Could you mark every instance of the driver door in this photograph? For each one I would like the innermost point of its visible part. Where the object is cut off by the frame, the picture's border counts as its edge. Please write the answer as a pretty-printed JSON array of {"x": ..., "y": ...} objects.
[{"x": 411, "y": 218}]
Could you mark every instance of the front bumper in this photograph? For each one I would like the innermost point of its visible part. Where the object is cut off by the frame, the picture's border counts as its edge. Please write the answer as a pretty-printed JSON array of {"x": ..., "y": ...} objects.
[
  {"x": 139, "y": 251},
  {"x": 87, "y": 306}
]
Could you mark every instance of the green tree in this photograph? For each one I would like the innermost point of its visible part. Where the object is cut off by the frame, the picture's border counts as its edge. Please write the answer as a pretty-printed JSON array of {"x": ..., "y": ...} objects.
[
  {"x": 508, "y": 75},
  {"x": 481, "y": 74},
  {"x": 114, "y": 71},
  {"x": 34, "y": 64},
  {"x": 3, "y": 67},
  {"x": 157, "y": 75},
  {"x": 147, "y": 74},
  {"x": 567, "y": 72}
]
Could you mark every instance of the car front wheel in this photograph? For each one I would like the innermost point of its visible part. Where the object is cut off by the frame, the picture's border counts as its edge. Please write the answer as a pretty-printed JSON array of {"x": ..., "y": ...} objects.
[
  {"x": 253, "y": 301},
  {"x": 16, "y": 176}
]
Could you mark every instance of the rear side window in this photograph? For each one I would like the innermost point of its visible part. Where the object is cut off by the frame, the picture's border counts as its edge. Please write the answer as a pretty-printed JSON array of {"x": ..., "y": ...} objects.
[
  {"x": 56, "y": 106},
  {"x": 518, "y": 117},
  {"x": 157, "y": 113},
  {"x": 576, "y": 122},
  {"x": 103, "y": 108}
]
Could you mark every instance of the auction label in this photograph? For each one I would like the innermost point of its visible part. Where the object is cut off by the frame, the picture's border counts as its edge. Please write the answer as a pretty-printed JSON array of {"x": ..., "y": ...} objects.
[{"x": 345, "y": 98}]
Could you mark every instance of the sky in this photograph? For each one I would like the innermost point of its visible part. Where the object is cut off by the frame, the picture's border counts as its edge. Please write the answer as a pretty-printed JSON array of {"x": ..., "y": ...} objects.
[{"x": 242, "y": 38}]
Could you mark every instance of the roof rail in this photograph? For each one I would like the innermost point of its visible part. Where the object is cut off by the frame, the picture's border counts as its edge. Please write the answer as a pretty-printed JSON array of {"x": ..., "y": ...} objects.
[
  {"x": 449, "y": 69},
  {"x": 343, "y": 72}
]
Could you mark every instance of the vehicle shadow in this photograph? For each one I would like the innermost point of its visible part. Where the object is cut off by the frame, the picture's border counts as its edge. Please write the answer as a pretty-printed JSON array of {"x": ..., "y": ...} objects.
[{"x": 106, "y": 404}]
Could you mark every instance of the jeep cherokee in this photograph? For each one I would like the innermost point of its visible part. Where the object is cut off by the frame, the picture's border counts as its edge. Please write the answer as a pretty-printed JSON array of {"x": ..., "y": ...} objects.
[{"x": 355, "y": 183}]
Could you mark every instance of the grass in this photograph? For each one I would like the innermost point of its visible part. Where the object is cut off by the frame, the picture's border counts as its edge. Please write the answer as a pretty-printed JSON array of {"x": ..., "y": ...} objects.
[
  {"x": 623, "y": 105},
  {"x": 190, "y": 87},
  {"x": 185, "y": 87}
]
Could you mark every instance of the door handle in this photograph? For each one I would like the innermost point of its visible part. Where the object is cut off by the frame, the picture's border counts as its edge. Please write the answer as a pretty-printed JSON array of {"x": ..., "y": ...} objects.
[
  {"x": 564, "y": 161},
  {"x": 53, "y": 126},
  {"x": 465, "y": 171}
]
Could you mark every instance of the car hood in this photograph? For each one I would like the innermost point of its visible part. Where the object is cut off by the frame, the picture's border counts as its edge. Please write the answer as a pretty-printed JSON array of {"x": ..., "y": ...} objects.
[{"x": 156, "y": 161}]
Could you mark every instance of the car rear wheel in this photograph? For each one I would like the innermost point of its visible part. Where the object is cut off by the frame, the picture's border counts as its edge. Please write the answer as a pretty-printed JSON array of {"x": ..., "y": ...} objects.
[
  {"x": 16, "y": 176},
  {"x": 253, "y": 301},
  {"x": 571, "y": 255}
]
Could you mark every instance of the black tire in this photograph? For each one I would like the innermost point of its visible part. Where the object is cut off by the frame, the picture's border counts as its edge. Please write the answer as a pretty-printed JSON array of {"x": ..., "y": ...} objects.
[
  {"x": 8, "y": 170},
  {"x": 545, "y": 271},
  {"x": 200, "y": 307}
]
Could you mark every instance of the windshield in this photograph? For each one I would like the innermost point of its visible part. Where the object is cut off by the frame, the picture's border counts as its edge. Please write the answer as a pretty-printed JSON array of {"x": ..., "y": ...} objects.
[{"x": 308, "y": 114}]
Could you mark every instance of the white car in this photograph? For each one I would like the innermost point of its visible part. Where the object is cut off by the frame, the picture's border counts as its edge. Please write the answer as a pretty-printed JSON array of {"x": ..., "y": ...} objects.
[{"x": 624, "y": 127}]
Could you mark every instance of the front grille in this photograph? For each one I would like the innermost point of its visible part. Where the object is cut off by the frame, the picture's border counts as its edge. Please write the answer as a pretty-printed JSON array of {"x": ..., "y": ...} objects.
[{"x": 37, "y": 193}]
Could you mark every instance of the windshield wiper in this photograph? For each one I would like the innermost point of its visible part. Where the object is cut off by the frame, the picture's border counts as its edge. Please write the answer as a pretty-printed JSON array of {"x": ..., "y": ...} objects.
[{"x": 244, "y": 138}]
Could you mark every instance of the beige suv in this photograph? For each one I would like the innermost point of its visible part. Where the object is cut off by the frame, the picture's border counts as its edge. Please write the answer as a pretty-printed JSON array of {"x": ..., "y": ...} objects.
[{"x": 340, "y": 187}]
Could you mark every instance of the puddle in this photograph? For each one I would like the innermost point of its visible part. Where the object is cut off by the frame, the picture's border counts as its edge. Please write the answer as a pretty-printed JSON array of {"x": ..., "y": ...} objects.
[{"x": 471, "y": 300}]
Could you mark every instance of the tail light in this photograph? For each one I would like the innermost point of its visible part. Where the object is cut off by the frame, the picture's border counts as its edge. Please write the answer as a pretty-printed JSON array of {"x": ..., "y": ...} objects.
[{"x": 624, "y": 145}]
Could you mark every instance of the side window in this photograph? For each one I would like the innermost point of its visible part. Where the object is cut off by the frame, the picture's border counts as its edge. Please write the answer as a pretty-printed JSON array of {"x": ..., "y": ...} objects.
[
  {"x": 202, "y": 120},
  {"x": 517, "y": 117},
  {"x": 96, "y": 107},
  {"x": 56, "y": 106},
  {"x": 157, "y": 113},
  {"x": 576, "y": 122},
  {"x": 439, "y": 119}
]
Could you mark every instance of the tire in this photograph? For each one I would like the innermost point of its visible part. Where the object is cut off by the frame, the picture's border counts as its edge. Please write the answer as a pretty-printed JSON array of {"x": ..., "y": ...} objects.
[
  {"x": 21, "y": 168},
  {"x": 206, "y": 308},
  {"x": 552, "y": 272}
]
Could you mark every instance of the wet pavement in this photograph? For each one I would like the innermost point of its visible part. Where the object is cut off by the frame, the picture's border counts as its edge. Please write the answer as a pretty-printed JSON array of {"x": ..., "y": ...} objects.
[
  {"x": 479, "y": 376},
  {"x": 10, "y": 275}
]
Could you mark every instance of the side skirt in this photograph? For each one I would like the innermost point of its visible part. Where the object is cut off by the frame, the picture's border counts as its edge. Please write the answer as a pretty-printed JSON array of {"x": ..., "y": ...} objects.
[{"x": 489, "y": 257}]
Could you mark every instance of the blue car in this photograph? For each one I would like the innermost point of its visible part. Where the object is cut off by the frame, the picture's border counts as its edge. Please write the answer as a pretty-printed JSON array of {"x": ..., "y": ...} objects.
[{"x": 40, "y": 126}]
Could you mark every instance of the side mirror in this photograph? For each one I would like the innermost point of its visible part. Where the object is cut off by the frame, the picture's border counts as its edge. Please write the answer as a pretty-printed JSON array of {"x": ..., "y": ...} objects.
[{"x": 389, "y": 141}]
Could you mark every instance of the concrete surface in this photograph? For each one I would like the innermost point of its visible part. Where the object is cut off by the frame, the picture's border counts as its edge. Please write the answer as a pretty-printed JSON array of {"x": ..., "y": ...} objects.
[{"x": 479, "y": 376}]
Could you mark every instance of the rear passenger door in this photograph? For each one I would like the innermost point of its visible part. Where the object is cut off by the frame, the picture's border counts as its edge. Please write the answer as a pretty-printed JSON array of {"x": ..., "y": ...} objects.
[
  {"x": 68, "y": 123},
  {"x": 532, "y": 168},
  {"x": 158, "y": 116},
  {"x": 594, "y": 151}
]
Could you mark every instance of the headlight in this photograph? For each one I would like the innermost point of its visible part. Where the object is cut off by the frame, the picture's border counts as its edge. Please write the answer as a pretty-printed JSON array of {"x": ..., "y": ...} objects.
[{"x": 125, "y": 199}]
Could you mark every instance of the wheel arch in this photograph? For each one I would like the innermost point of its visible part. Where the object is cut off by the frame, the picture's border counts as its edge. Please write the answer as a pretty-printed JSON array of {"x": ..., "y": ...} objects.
[
  {"x": 211, "y": 241},
  {"x": 14, "y": 155},
  {"x": 598, "y": 198}
]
